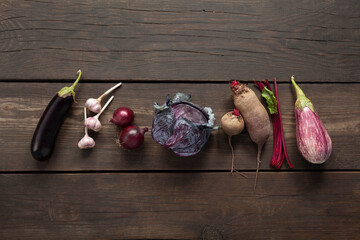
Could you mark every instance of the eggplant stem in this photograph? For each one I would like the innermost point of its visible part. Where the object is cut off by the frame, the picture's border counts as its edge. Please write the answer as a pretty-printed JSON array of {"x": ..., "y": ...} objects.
[
  {"x": 69, "y": 91},
  {"x": 302, "y": 101},
  {"x": 77, "y": 80},
  {"x": 108, "y": 91},
  {"x": 299, "y": 92}
]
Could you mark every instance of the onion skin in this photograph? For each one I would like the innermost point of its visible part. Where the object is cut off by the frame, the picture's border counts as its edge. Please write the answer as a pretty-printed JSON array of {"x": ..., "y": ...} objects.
[
  {"x": 132, "y": 137},
  {"x": 122, "y": 117},
  {"x": 313, "y": 140}
]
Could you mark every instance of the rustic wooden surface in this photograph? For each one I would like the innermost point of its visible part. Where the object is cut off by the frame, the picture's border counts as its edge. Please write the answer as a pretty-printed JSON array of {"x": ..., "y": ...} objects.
[
  {"x": 163, "y": 47},
  {"x": 180, "y": 40},
  {"x": 180, "y": 205}
]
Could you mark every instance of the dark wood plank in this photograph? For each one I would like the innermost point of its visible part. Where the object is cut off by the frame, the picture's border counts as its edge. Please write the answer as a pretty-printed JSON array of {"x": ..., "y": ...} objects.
[
  {"x": 21, "y": 105},
  {"x": 187, "y": 40},
  {"x": 178, "y": 206}
]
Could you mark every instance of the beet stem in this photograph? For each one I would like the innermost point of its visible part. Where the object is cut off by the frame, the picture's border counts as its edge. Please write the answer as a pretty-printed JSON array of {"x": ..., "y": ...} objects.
[
  {"x": 268, "y": 84},
  {"x": 279, "y": 145},
  {"x": 281, "y": 125},
  {"x": 274, "y": 139}
]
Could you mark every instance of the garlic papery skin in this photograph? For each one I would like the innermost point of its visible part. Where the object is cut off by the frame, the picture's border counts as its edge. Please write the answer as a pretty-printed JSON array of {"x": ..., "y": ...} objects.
[
  {"x": 87, "y": 141},
  {"x": 93, "y": 105},
  {"x": 93, "y": 123}
]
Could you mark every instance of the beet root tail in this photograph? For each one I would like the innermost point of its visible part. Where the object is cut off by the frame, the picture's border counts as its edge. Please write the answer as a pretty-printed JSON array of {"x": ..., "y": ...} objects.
[{"x": 258, "y": 162}]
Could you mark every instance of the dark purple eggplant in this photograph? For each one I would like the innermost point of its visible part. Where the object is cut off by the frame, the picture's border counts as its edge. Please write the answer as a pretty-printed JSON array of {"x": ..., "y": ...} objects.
[{"x": 44, "y": 138}]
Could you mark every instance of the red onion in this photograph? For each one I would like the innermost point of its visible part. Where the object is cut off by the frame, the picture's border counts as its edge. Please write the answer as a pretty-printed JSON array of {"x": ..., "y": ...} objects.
[
  {"x": 132, "y": 137},
  {"x": 122, "y": 117}
]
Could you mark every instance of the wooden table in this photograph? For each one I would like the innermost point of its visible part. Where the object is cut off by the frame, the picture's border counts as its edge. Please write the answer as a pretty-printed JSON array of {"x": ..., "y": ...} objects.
[{"x": 163, "y": 47}]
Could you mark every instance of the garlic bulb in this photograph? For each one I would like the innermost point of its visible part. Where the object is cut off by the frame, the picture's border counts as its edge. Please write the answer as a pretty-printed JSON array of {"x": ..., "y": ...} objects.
[
  {"x": 93, "y": 123},
  {"x": 87, "y": 141},
  {"x": 94, "y": 105}
]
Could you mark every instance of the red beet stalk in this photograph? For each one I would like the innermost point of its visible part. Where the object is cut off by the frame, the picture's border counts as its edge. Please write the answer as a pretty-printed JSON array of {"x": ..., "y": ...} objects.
[{"x": 279, "y": 148}]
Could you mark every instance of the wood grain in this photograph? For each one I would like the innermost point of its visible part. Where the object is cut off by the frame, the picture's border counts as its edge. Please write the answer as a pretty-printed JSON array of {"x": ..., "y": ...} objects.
[
  {"x": 186, "y": 41},
  {"x": 179, "y": 206},
  {"x": 21, "y": 105},
  {"x": 162, "y": 47}
]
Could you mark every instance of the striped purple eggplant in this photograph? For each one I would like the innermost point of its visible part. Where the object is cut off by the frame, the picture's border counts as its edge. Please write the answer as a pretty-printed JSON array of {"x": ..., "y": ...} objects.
[{"x": 313, "y": 140}]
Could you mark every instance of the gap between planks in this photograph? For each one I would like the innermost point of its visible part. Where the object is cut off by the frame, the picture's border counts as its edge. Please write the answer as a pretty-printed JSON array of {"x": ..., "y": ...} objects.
[
  {"x": 136, "y": 81},
  {"x": 177, "y": 171}
]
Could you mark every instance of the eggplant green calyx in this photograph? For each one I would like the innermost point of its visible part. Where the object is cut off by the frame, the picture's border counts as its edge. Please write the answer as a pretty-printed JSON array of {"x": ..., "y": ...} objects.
[
  {"x": 69, "y": 91},
  {"x": 270, "y": 100},
  {"x": 302, "y": 101}
]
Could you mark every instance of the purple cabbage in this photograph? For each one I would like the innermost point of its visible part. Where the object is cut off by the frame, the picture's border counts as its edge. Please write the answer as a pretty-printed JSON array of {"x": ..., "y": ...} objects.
[{"x": 181, "y": 125}]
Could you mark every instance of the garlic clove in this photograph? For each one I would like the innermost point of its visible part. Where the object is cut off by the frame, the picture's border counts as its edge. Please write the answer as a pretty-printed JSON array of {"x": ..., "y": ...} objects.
[
  {"x": 86, "y": 142},
  {"x": 98, "y": 127}
]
